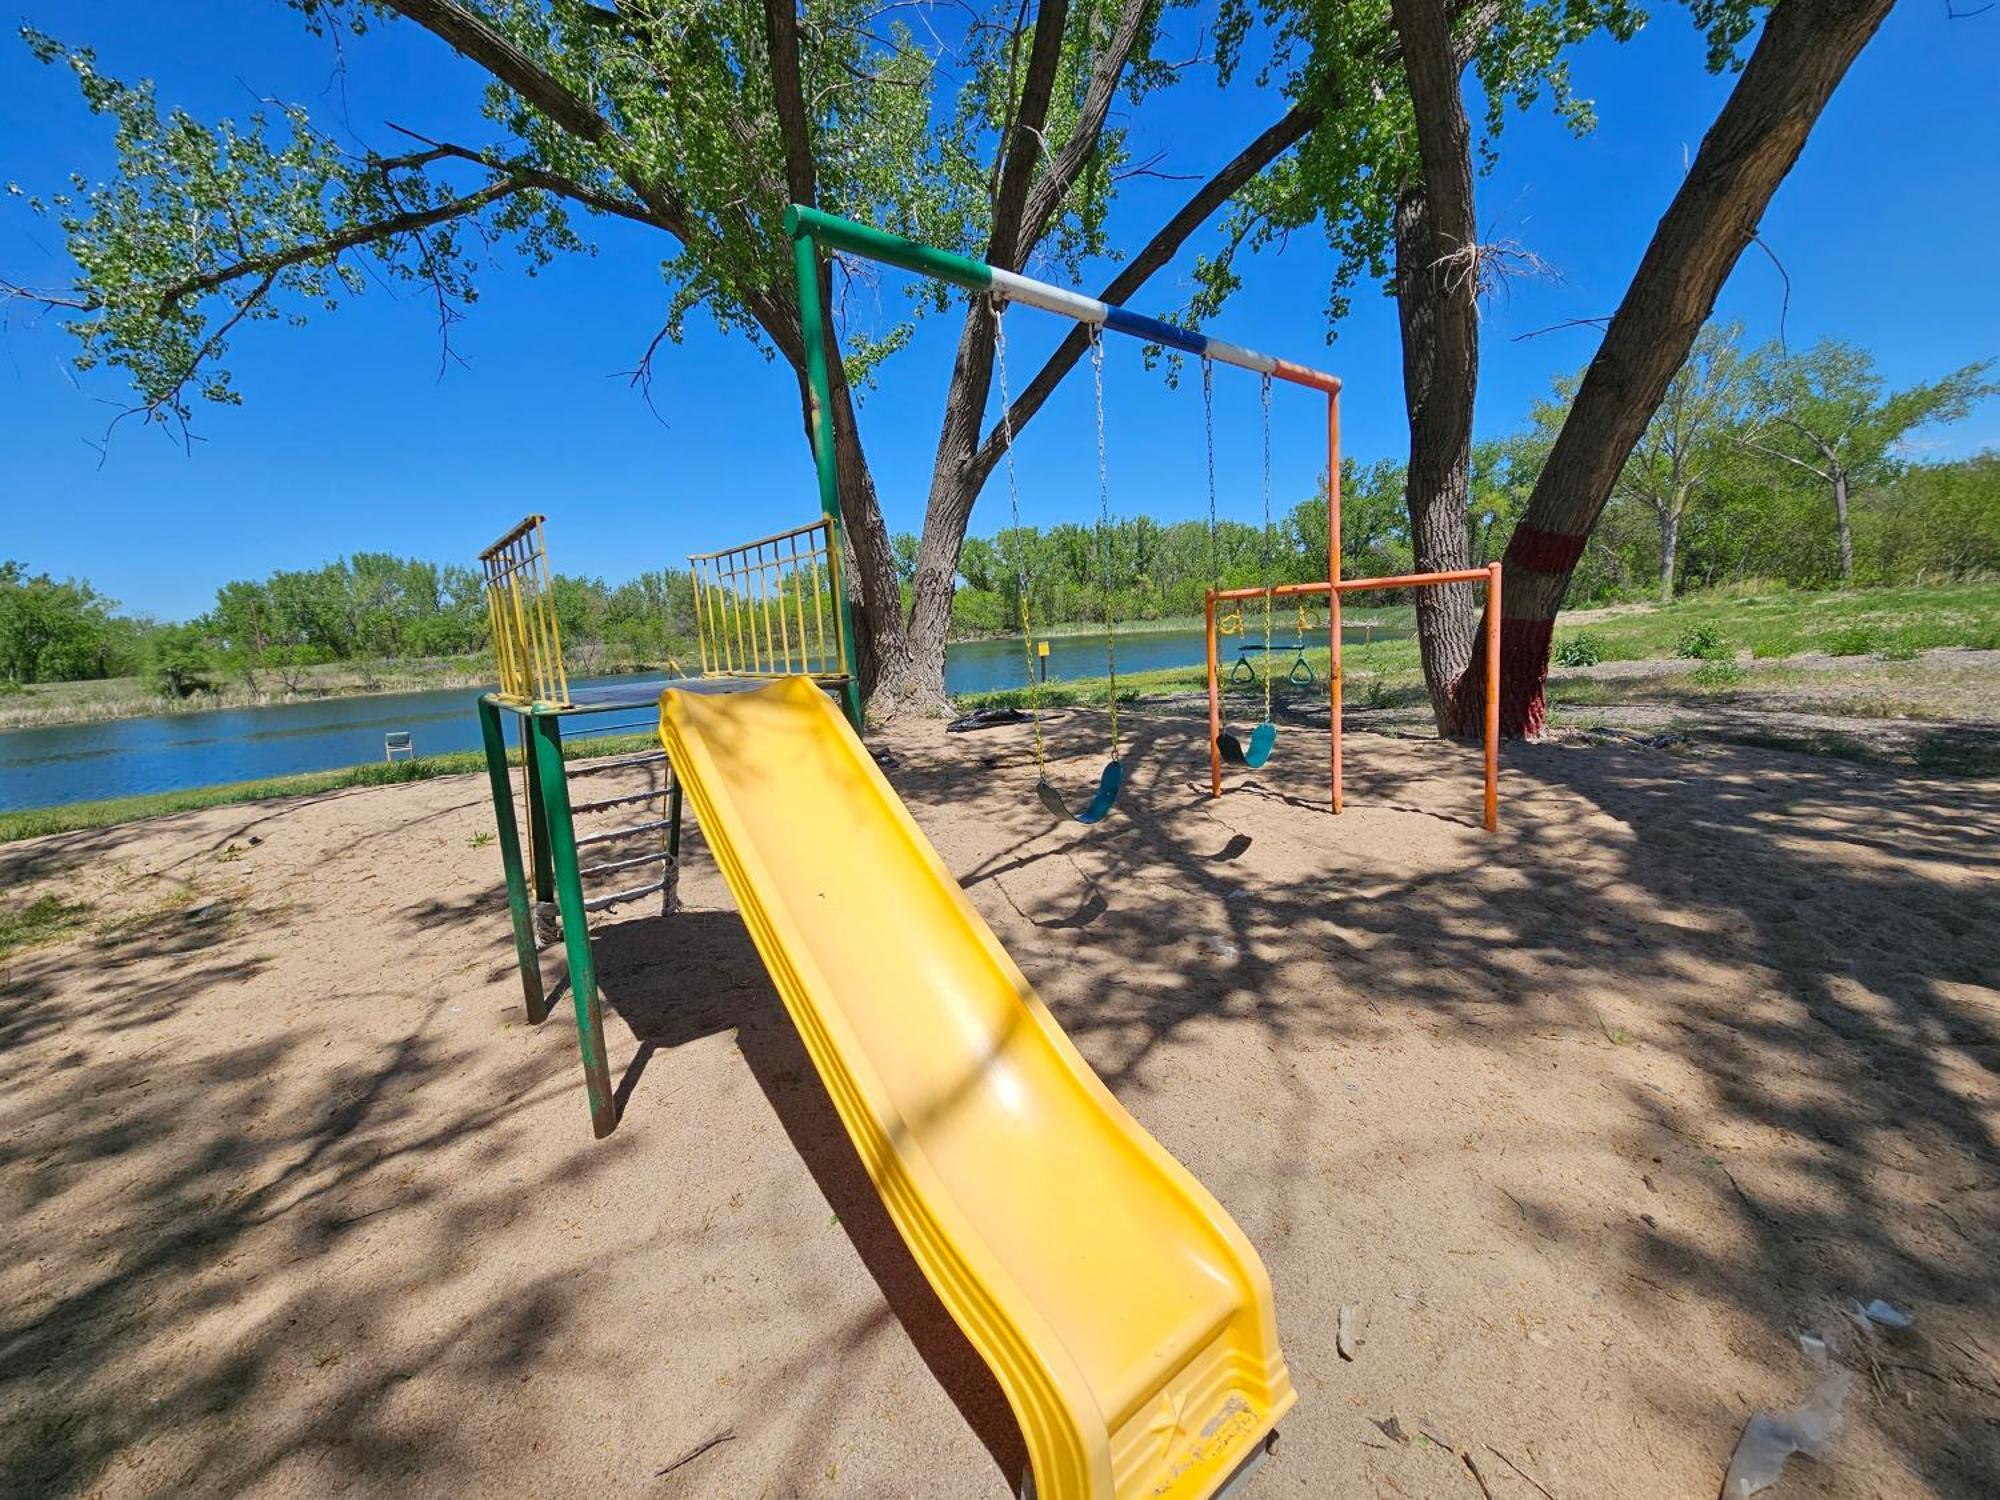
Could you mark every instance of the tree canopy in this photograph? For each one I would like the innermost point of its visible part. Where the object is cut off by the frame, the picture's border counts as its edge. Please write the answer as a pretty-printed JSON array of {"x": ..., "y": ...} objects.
[{"x": 998, "y": 131}]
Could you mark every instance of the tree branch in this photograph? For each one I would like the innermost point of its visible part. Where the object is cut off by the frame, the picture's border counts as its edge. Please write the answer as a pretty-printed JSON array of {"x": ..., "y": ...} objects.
[
  {"x": 1826, "y": 449},
  {"x": 1053, "y": 186},
  {"x": 170, "y": 399},
  {"x": 1006, "y": 245},
  {"x": 473, "y": 36},
  {"x": 781, "y": 40},
  {"x": 1766, "y": 448},
  {"x": 46, "y": 298},
  {"x": 353, "y": 237},
  {"x": 527, "y": 173},
  {"x": 1292, "y": 128}
]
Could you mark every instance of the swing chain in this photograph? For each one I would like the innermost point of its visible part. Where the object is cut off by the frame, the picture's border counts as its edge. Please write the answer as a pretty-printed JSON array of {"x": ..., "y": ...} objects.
[
  {"x": 1104, "y": 531},
  {"x": 1020, "y": 537},
  {"x": 1268, "y": 581}
]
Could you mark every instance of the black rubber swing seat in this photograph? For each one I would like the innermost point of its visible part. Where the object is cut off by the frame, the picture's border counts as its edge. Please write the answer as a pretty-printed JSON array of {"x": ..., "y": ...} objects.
[
  {"x": 1109, "y": 785},
  {"x": 1262, "y": 739}
]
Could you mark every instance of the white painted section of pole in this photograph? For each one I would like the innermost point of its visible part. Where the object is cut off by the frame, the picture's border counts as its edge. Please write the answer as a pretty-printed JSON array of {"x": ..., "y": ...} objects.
[
  {"x": 1049, "y": 298},
  {"x": 1236, "y": 354}
]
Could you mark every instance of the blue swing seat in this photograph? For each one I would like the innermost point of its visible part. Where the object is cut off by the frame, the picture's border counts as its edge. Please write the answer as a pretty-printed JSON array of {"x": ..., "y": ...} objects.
[
  {"x": 1109, "y": 785},
  {"x": 1262, "y": 739}
]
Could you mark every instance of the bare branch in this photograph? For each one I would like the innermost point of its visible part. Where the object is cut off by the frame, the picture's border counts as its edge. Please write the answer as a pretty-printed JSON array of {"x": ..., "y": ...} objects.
[
  {"x": 1785, "y": 305},
  {"x": 1535, "y": 333},
  {"x": 640, "y": 376},
  {"x": 48, "y": 298}
]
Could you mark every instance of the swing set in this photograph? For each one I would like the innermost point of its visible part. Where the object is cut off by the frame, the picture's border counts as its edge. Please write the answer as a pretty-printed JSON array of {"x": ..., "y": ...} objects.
[{"x": 810, "y": 229}]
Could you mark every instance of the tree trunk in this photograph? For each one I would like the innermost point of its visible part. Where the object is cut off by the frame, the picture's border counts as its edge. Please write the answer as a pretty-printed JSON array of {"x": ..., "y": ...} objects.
[
  {"x": 1839, "y": 477},
  {"x": 1805, "y": 50},
  {"x": 956, "y": 480},
  {"x": 869, "y": 566},
  {"x": 1437, "y": 304},
  {"x": 1670, "y": 546},
  {"x": 1440, "y": 461}
]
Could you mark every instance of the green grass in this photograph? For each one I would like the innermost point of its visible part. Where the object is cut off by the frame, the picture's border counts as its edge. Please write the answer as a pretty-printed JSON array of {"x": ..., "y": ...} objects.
[
  {"x": 1896, "y": 622},
  {"x": 68, "y": 818},
  {"x": 1900, "y": 622},
  {"x": 39, "y": 921}
]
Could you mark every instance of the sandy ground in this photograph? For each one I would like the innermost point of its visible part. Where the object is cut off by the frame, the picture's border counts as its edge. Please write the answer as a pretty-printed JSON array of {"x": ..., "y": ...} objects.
[{"x": 1588, "y": 1120}]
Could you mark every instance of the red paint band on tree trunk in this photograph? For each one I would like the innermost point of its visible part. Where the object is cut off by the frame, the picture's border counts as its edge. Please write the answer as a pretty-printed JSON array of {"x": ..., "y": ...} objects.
[{"x": 1542, "y": 551}]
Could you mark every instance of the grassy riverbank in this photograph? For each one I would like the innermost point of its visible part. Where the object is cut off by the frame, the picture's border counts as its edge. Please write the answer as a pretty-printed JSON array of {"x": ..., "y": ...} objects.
[
  {"x": 1858, "y": 655},
  {"x": 71, "y": 816},
  {"x": 1872, "y": 631},
  {"x": 49, "y": 704},
  {"x": 45, "y": 704}
]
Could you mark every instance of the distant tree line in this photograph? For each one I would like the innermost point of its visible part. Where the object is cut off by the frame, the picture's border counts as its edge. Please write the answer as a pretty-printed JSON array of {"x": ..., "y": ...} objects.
[
  {"x": 1759, "y": 464},
  {"x": 364, "y": 610}
]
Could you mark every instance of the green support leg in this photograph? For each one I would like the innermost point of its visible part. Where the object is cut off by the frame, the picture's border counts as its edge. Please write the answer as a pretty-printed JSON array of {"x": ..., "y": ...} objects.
[
  {"x": 494, "y": 737},
  {"x": 672, "y": 902},
  {"x": 554, "y": 783},
  {"x": 538, "y": 814}
]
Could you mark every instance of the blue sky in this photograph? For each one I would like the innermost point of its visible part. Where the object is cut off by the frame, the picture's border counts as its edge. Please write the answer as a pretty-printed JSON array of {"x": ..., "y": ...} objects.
[{"x": 348, "y": 439}]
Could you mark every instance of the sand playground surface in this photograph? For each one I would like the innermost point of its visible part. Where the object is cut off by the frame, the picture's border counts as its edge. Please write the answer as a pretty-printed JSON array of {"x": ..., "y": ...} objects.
[{"x": 1586, "y": 1123}]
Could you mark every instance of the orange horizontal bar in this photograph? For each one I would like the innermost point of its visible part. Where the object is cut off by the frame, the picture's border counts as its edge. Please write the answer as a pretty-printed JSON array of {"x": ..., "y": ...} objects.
[
  {"x": 1411, "y": 580},
  {"x": 1304, "y": 375},
  {"x": 1357, "y": 585}
]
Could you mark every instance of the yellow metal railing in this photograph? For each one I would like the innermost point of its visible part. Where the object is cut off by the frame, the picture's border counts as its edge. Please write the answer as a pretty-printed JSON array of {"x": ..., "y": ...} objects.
[
  {"x": 520, "y": 608},
  {"x": 771, "y": 608}
]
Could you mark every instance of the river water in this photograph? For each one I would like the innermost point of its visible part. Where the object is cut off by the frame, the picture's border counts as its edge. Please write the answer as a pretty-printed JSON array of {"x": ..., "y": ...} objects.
[{"x": 170, "y": 752}]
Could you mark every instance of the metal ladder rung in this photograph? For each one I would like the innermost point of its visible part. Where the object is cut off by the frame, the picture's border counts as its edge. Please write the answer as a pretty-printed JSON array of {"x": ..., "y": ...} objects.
[
  {"x": 605, "y": 867},
  {"x": 643, "y": 758},
  {"x": 598, "y": 903},
  {"x": 620, "y": 833},
  {"x": 625, "y": 801}
]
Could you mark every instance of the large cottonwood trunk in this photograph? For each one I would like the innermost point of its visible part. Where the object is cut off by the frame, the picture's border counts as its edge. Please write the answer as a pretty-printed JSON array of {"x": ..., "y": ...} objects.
[
  {"x": 1437, "y": 304},
  {"x": 869, "y": 567},
  {"x": 1804, "y": 51},
  {"x": 917, "y": 682}
]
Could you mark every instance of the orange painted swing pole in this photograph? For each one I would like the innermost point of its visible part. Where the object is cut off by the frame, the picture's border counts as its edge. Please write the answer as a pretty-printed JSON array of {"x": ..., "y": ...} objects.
[
  {"x": 1493, "y": 698},
  {"x": 1215, "y": 707},
  {"x": 1333, "y": 594}
]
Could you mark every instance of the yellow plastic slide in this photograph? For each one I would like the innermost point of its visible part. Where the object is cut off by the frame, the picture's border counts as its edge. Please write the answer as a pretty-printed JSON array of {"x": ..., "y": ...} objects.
[{"x": 1124, "y": 1314}]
